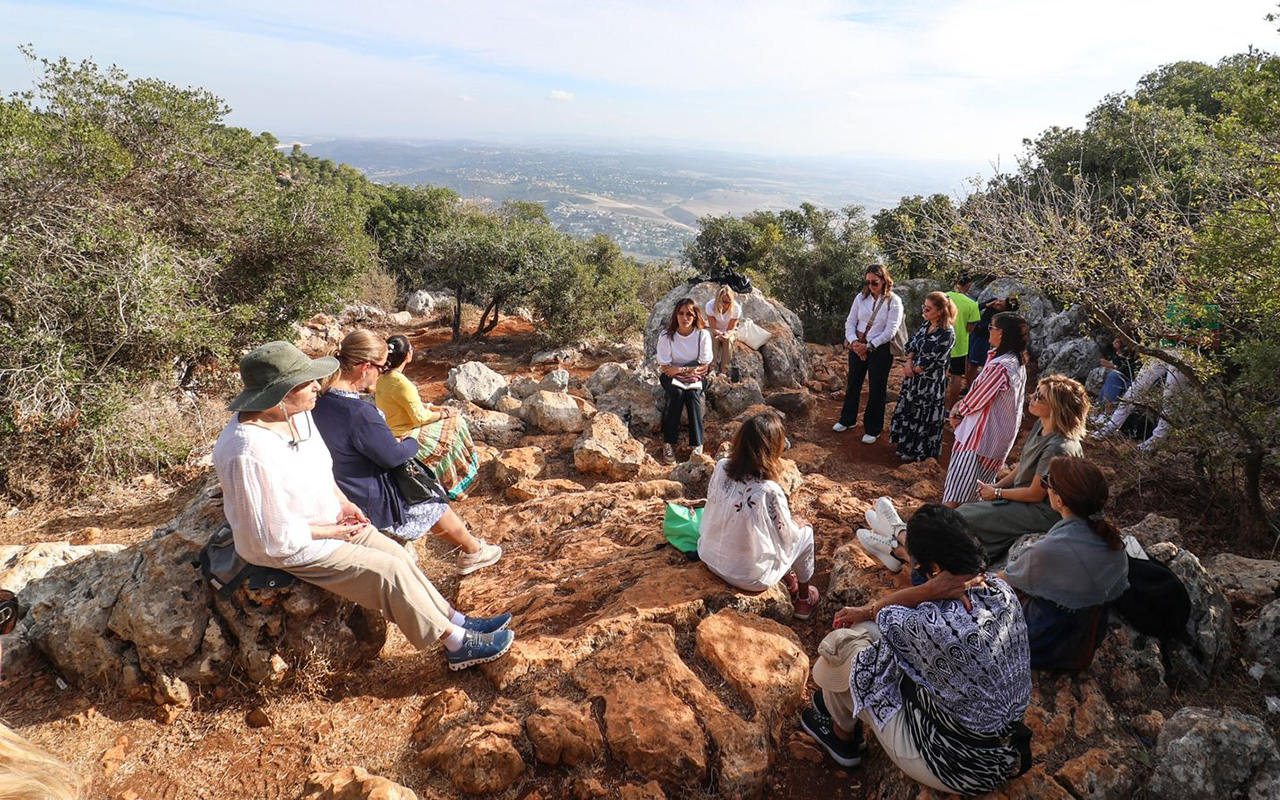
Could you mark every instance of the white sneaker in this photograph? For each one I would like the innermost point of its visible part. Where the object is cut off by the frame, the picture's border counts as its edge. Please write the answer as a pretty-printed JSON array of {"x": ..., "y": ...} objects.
[
  {"x": 1149, "y": 446},
  {"x": 1105, "y": 432},
  {"x": 487, "y": 555},
  {"x": 889, "y": 517},
  {"x": 881, "y": 547},
  {"x": 697, "y": 451},
  {"x": 838, "y": 428},
  {"x": 668, "y": 454},
  {"x": 868, "y": 438}
]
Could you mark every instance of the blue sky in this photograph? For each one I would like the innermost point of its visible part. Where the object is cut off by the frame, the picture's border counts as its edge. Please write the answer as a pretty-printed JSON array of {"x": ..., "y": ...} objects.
[{"x": 952, "y": 79}]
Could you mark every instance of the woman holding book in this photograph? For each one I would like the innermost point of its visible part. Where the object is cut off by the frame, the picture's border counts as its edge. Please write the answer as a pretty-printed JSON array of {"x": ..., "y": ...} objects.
[{"x": 684, "y": 359}]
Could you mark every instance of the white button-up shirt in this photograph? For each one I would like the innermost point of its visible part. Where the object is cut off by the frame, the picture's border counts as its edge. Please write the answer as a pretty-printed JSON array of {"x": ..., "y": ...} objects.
[{"x": 886, "y": 322}]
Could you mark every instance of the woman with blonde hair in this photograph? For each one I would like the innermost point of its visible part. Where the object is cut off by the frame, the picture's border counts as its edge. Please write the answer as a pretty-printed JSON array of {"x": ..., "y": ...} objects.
[
  {"x": 1018, "y": 504},
  {"x": 27, "y": 771},
  {"x": 748, "y": 537},
  {"x": 723, "y": 313},
  {"x": 920, "y": 414},
  {"x": 444, "y": 441},
  {"x": 365, "y": 452},
  {"x": 872, "y": 323},
  {"x": 684, "y": 358}
]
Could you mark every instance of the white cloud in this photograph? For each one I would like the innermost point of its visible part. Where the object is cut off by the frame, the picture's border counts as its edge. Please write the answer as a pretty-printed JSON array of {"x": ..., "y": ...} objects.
[
  {"x": 560, "y": 96},
  {"x": 466, "y": 98}
]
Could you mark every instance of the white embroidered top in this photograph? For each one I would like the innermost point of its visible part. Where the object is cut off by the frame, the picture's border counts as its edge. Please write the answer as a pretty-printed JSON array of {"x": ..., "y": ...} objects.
[{"x": 747, "y": 535}]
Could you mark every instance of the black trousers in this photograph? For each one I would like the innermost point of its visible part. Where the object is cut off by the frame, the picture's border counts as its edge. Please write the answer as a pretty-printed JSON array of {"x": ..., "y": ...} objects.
[
  {"x": 877, "y": 365},
  {"x": 679, "y": 400}
]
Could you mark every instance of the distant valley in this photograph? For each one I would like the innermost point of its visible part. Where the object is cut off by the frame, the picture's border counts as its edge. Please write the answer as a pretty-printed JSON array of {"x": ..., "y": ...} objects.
[{"x": 649, "y": 201}]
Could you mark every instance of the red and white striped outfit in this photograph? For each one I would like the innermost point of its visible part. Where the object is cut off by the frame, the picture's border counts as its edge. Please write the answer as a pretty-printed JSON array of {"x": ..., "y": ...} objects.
[{"x": 992, "y": 414}]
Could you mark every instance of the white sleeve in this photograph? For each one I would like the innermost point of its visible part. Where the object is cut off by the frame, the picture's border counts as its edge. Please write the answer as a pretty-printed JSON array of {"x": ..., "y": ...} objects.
[
  {"x": 851, "y": 322},
  {"x": 664, "y": 349},
  {"x": 704, "y": 346},
  {"x": 785, "y": 529},
  {"x": 256, "y": 509},
  {"x": 893, "y": 318}
]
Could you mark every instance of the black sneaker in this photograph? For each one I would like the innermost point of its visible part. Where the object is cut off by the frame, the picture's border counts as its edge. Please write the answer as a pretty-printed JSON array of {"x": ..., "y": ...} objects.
[
  {"x": 487, "y": 624},
  {"x": 822, "y": 729},
  {"x": 820, "y": 705}
]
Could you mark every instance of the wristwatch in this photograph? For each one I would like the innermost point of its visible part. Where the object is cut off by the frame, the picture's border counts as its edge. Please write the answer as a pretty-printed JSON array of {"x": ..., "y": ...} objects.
[
  {"x": 999, "y": 492},
  {"x": 871, "y": 348}
]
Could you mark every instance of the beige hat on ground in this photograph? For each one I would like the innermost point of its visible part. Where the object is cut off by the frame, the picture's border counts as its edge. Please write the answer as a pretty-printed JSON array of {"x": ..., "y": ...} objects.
[{"x": 835, "y": 658}]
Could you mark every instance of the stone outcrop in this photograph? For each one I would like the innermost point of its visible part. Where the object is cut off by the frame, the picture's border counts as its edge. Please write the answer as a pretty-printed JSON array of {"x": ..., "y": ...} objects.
[
  {"x": 518, "y": 464},
  {"x": 144, "y": 619},
  {"x": 728, "y": 399},
  {"x": 1034, "y": 307},
  {"x": 1262, "y": 643},
  {"x": 1075, "y": 358},
  {"x": 635, "y": 397},
  {"x": 473, "y": 382},
  {"x": 353, "y": 783},
  {"x": 784, "y": 362},
  {"x": 1248, "y": 582},
  {"x": 555, "y": 412},
  {"x": 494, "y": 428},
  {"x": 606, "y": 449},
  {"x": 1211, "y": 628},
  {"x": 1211, "y": 754}
]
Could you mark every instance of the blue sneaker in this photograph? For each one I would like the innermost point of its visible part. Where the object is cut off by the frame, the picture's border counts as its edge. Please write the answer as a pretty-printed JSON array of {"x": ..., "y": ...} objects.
[
  {"x": 487, "y": 624},
  {"x": 480, "y": 648}
]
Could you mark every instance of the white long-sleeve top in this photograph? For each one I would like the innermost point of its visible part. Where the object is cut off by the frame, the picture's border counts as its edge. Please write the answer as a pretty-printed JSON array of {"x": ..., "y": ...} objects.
[
  {"x": 680, "y": 349},
  {"x": 747, "y": 536},
  {"x": 886, "y": 322},
  {"x": 272, "y": 492}
]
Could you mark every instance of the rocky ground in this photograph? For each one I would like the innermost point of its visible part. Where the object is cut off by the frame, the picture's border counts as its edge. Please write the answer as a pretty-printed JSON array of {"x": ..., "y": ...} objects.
[{"x": 635, "y": 673}]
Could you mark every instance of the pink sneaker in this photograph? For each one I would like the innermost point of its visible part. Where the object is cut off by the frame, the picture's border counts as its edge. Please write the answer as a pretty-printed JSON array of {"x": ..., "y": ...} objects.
[{"x": 805, "y": 606}]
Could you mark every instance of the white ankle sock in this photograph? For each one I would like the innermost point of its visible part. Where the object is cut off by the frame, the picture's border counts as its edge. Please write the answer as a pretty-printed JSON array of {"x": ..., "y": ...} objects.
[
  {"x": 453, "y": 641},
  {"x": 456, "y": 616}
]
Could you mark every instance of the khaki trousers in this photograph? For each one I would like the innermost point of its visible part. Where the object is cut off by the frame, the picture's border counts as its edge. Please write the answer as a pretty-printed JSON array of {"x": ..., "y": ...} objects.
[
  {"x": 722, "y": 351},
  {"x": 374, "y": 572}
]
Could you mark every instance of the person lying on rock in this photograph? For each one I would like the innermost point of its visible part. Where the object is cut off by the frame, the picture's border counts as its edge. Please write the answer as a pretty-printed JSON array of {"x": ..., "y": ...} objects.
[
  {"x": 286, "y": 511},
  {"x": 365, "y": 451},
  {"x": 748, "y": 537},
  {"x": 939, "y": 672},
  {"x": 684, "y": 359},
  {"x": 1067, "y": 578}
]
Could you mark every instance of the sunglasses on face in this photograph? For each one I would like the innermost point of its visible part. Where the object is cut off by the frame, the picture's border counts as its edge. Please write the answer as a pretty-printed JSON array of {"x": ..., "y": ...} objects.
[
  {"x": 875, "y": 282},
  {"x": 381, "y": 368}
]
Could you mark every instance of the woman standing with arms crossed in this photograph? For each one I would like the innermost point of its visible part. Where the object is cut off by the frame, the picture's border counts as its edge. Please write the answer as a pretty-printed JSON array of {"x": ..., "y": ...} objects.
[
  {"x": 872, "y": 322},
  {"x": 918, "y": 419},
  {"x": 986, "y": 421}
]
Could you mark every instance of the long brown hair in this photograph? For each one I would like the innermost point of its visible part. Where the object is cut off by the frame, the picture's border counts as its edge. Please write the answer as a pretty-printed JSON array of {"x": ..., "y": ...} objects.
[
  {"x": 699, "y": 322},
  {"x": 1013, "y": 335},
  {"x": 756, "y": 450},
  {"x": 881, "y": 272},
  {"x": 1083, "y": 489}
]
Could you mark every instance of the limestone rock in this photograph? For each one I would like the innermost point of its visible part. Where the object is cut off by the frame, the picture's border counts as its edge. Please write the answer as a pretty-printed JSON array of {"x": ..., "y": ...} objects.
[
  {"x": 1262, "y": 642},
  {"x": 792, "y": 402},
  {"x": 473, "y": 382},
  {"x": 22, "y": 563},
  {"x": 570, "y": 354},
  {"x": 553, "y": 412},
  {"x": 1211, "y": 626},
  {"x": 494, "y": 427},
  {"x": 1034, "y": 307},
  {"x": 789, "y": 477},
  {"x": 606, "y": 377},
  {"x": 784, "y": 360},
  {"x": 1100, "y": 774},
  {"x": 441, "y": 710},
  {"x": 564, "y": 732},
  {"x": 522, "y": 386},
  {"x": 360, "y": 314},
  {"x": 606, "y": 448},
  {"x": 509, "y": 405},
  {"x": 353, "y": 783},
  {"x": 1246, "y": 581},
  {"x": 476, "y": 760},
  {"x": 400, "y": 318},
  {"x": 1212, "y": 754},
  {"x": 419, "y": 302},
  {"x": 635, "y": 397},
  {"x": 532, "y": 490},
  {"x": 1075, "y": 358},
  {"x": 694, "y": 474},
  {"x": 854, "y": 578},
  {"x": 1154, "y": 529},
  {"x": 1130, "y": 665},
  {"x": 517, "y": 464},
  {"x": 557, "y": 380},
  {"x": 643, "y": 791},
  {"x": 730, "y": 399}
]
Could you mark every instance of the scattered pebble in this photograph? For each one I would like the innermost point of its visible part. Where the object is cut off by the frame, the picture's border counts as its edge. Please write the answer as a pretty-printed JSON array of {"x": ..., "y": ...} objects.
[{"x": 257, "y": 718}]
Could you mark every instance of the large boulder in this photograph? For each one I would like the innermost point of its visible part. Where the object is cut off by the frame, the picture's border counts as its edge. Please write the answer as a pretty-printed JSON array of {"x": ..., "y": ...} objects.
[
  {"x": 730, "y": 399},
  {"x": 635, "y": 397},
  {"x": 518, "y": 464},
  {"x": 784, "y": 361},
  {"x": 144, "y": 619},
  {"x": 1246, "y": 581},
  {"x": 474, "y": 382},
  {"x": 494, "y": 428},
  {"x": 1033, "y": 305},
  {"x": 606, "y": 448},
  {"x": 1262, "y": 643},
  {"x": 553, "y": 412},
  {"x": 1212, "y": 754},
  {"x": 1076, "y": 358},
  {"x": 1211, "y": 628}
]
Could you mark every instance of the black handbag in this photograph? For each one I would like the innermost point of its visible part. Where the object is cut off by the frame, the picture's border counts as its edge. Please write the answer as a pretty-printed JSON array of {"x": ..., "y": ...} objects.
[
  {"x": 226, "y": 570},
  {"x": 417, "y": 484}
]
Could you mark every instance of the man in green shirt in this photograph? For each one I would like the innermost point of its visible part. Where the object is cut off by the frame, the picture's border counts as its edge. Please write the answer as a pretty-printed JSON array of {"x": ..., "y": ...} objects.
[{"x": 967, "y": 316}]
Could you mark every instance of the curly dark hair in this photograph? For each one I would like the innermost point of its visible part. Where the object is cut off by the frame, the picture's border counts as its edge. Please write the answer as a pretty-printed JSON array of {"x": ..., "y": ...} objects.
[{"x": 938, "y": 536}]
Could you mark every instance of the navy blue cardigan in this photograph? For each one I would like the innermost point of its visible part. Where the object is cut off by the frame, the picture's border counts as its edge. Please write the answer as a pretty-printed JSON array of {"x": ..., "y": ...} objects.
[{"x": 364, "y": 451}]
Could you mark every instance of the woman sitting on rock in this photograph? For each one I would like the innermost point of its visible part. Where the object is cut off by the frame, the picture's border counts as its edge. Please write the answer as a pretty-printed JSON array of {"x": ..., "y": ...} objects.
[
  {"x": 286, "y": 511},
  {"x": 444, "y": 440},
  {"x": 1067, "y": 578},
  {"x": 1018, "y": 504},
  {"x": 684, "y": 358},
  {"x": 920, "y": 414},
  {"x": 986, "y": 421},
  {"x": 939, "y": 672},
  {"x": 723, "y": 313},
  {"x": 748, "y": 536},
  {"x": 364, "y": 452}
]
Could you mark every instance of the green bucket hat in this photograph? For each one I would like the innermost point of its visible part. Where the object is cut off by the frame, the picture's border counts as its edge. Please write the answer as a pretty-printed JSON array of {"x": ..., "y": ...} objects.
[{"x": 273, "y": 370}]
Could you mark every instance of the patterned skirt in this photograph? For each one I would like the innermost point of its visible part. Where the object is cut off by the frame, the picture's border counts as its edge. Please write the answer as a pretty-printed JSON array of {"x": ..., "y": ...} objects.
[
  {"x": 447, "y": 449},
  {"x": 918, "y": 418}
]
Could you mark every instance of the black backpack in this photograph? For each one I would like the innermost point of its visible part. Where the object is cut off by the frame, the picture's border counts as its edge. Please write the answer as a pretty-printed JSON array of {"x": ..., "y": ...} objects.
[
  {"x": 1156, "y": 603},
  {"x": 226, "y": 570}
]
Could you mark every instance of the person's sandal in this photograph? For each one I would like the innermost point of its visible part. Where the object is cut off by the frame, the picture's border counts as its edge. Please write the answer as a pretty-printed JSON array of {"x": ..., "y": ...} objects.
[{"x": 805, "y": 606}]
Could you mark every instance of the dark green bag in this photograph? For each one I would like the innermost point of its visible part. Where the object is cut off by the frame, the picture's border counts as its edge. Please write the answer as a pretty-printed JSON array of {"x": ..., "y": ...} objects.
[{"x": 681, "y": 526}]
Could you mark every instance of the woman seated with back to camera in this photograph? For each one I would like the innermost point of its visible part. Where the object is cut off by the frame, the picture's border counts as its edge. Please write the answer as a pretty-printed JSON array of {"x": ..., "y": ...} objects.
[
  {"x": 938, "y": 671},
  {"x": 287, "y": 512},
  {"x": 748, "y": 536},
  {"x": 1067, "y": 578},
  {"x": 365, "y": 452}
]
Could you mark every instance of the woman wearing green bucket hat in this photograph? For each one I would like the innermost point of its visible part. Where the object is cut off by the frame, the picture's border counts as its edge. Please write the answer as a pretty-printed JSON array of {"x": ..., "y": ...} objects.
[{"x": 286, "y": 511}]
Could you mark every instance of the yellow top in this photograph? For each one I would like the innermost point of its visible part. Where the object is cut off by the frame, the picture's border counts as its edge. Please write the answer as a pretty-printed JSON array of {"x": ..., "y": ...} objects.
[{"x": 397, "y": 397}]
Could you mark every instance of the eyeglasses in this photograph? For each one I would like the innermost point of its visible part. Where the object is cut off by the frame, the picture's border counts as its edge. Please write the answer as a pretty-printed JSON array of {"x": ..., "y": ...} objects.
[
  {"x": 875, "y": 282},
  {"x": 381, "y": 368},
  {"x": 296, "y": 439},
  {"x": 1047, "y": 482}
]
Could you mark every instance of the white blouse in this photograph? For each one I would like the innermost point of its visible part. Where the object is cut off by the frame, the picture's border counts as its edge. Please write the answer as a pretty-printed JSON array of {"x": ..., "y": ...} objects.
[
  {"x": 747, "y": 536},
  {"x": 720, "y": 322},
  {"x": 679, "y": 350},
  {"x": 272, "y": 492},
  {"x": 886, "y": 323}
]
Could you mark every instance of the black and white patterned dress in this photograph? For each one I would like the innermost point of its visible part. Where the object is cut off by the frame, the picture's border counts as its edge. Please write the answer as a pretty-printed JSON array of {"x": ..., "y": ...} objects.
[{"x": 918, "y": 418}]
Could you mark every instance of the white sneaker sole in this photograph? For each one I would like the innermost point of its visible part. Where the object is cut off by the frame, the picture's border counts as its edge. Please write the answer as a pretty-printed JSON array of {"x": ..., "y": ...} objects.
[
  {"x": 464, "y": 664},
  {"x": 890, "y": 561},
  {"x": 843, "y": 761}
]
